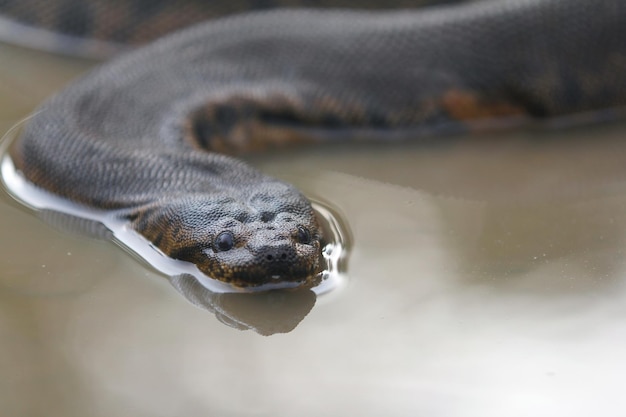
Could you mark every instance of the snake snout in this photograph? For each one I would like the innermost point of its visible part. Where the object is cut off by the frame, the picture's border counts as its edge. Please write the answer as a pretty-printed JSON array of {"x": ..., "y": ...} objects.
[{"x": 277, "y": 256}]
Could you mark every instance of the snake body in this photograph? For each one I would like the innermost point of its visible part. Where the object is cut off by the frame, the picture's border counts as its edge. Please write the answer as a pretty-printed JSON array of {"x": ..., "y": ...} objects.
[
  {"x": 145, "y": 134},
  {"x": 100, "y": 28}
]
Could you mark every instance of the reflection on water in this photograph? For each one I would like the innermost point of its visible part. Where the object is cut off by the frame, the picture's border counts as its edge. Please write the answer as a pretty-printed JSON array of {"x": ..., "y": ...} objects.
[
  {"x": 486, "y": 278},
  {"x": 267, "y": 312}
]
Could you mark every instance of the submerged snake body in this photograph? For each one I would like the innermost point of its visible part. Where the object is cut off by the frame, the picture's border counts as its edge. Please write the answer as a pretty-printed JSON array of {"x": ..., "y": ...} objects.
[{"x": 140, "y": 134}]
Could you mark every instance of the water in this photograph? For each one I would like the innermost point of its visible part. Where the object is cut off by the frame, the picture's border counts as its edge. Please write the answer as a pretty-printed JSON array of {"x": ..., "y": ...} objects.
[{"x": 485, "y": 278}]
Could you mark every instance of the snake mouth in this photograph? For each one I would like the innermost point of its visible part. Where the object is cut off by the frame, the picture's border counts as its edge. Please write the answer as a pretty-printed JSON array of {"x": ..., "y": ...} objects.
[
  {"x": 284, "y": 280},
  {"x": 248, "y": 276}
]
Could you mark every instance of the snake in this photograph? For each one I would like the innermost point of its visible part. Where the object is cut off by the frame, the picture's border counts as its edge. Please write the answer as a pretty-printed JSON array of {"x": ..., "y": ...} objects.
[{"x": 153, "y": 134}]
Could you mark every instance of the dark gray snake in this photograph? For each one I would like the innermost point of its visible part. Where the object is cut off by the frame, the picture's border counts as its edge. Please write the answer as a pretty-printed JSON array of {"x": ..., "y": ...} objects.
[{"x": 145, "y": 134}]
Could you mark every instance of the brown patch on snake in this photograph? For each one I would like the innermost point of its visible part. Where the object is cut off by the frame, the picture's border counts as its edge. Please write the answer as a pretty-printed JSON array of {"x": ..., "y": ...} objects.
[
  {"x": 240, "y": 124},
  {"x": 235, "y": 124},
  {"x": 467, "y": 106}
]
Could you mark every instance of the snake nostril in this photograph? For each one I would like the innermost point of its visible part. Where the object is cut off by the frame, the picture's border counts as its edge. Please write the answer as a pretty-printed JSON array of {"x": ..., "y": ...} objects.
[
  {"x": 282, "y": 256},
  {"x": 277, "y": 255}
]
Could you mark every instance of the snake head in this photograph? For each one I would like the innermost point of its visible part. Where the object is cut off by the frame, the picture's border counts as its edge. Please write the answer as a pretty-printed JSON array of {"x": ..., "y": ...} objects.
[
  {"x": 259, "y": 253},
  {"x": 270, "y": 238}
]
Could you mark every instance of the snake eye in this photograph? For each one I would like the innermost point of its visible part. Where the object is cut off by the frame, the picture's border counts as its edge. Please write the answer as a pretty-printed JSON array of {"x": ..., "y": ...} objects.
[
  {"x": 224, "y": 241},
  {"x": 303, "y": 236}
]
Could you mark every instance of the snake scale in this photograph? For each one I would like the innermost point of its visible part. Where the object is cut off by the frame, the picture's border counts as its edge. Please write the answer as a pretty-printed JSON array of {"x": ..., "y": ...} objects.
[{"x": 146, "y": 134}]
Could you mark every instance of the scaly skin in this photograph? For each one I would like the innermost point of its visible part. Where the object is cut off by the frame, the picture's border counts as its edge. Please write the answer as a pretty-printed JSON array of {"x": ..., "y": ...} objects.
[{"x": 141, "y": 134}]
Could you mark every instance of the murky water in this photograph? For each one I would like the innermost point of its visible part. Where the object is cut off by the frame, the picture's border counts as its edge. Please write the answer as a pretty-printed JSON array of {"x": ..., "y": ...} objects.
[{"x": 486, "y": 277}]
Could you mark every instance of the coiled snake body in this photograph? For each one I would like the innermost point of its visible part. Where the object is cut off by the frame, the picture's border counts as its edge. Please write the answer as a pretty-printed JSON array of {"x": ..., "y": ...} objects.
[{"x": 144, "y": 134}]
